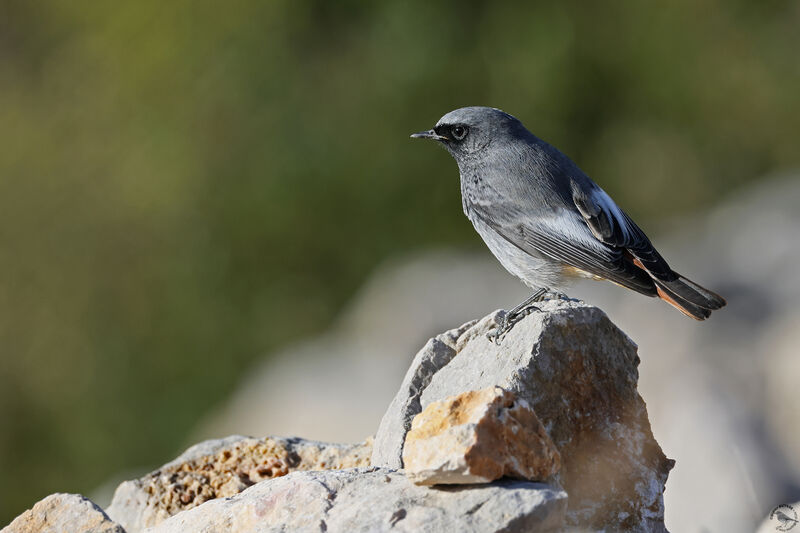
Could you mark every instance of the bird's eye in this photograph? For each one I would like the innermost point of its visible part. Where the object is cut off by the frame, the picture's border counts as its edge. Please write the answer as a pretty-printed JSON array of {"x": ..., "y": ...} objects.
[{"x": 459, "y": 132}]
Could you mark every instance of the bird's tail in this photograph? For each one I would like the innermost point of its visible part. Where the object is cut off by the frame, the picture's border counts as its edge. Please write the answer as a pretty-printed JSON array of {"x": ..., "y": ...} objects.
[{"x": 688, "y": 297}]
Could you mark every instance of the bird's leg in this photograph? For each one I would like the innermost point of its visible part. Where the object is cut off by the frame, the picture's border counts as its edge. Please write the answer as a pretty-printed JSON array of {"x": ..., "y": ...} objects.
[
  {"x": 525, "y": 307},
  {"x": 515, "y": 315}
]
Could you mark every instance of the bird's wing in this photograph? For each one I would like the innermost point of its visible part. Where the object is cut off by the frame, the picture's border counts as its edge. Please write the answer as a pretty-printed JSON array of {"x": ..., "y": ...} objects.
[
  {"x": 612, "y": 226},
  {"x": 565, "y": 237}
]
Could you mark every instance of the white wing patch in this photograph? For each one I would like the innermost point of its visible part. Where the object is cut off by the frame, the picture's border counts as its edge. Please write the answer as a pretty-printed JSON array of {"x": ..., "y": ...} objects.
[
  {"x": 571, "y": 226},
  {"x": 613, "y": 212}
]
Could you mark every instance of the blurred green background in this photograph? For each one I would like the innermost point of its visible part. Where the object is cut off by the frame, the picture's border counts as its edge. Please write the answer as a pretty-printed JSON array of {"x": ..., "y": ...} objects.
[{"x": 185, "y": 186}]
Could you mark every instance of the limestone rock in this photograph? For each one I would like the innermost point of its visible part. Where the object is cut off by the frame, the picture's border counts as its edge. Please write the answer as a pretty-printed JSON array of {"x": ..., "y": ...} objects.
[
  {"x": 579, "y": 373},
  {"x": 374, "y": 500},
  {"x": 477, "y": 437},
  {"x": 63, "y": 513},
  {"x": 222, "y": 468}
]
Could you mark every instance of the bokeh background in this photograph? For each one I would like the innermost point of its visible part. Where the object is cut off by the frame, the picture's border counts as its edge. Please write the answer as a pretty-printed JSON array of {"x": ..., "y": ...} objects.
[{"x": 189, "y": 187}]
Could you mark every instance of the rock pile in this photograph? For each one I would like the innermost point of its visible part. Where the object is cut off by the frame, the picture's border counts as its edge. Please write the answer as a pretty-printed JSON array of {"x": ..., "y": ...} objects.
[{"x": 546, "y": 431}]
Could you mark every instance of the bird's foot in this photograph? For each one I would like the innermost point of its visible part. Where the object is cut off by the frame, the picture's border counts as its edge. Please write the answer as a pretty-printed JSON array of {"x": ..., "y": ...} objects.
[
  {"x": 507, "y": 323},
  {"x": 555, "y": 295}
]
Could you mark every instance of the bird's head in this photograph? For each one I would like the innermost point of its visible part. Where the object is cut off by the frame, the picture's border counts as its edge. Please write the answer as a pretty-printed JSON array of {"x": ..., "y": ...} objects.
[{"x": 469, "y": 130}]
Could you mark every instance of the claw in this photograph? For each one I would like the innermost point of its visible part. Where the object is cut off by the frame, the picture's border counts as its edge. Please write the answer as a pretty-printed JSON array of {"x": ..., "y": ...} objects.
[
  {"x": 496, "y": 335},
  {"x": 518, "y": 313},
  {"x": 508, "y": 322}
]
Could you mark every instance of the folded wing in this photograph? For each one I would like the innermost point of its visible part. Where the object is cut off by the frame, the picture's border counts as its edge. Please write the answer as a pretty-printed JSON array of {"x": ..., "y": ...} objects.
[
  {"x": 612, "y": 226},
  {"x": 599, "y": 238},
  {"x": 565, "y": 238}
]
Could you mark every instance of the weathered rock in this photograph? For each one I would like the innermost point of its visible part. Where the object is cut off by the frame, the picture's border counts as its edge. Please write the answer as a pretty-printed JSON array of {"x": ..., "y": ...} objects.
[
  {"x": 375, "y": 500},
  {"x": 222, "y": 468},
  {"x": 579, "y": 372},
  {"x": 477, "y": 437},
  {"x": 63, "y": 513}
]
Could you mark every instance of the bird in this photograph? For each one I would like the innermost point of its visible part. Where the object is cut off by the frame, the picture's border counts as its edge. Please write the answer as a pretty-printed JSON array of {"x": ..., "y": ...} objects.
[
  {"x": 547, "y": 222},
  {"x": 785, "y": 520}
]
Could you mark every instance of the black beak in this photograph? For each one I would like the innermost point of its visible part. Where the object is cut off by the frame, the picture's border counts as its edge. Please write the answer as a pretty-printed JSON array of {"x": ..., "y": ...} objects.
[{"x": 430, "y": 134}]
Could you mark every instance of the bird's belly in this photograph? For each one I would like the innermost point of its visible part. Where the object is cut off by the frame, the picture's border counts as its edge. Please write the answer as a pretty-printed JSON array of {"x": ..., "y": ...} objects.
[{"x": 535, "y": 270}]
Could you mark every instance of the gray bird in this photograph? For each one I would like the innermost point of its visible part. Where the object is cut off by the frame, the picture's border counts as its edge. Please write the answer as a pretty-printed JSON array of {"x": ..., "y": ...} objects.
[
  {"x": 784, "y": 519},
  {"x": 546, "y": 221}
]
